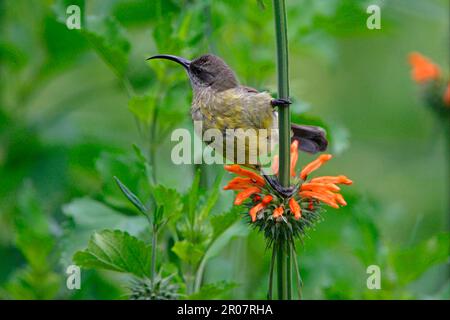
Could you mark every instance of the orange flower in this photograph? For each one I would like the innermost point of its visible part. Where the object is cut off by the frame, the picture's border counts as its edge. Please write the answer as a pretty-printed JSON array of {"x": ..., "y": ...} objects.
[
  {"x": 278, "y": 212},
  {"x": 447, "y": 96},
  {"x": 295, "y": 208},
  {"x": 332, "y": 179},
  {"x": 294, "y": 156},
  {"x": 239, "y": 183},
  {"x": 311, "y": 193},
  {"x": 423, "y": 69},
  {"x": 314, "y": 165},
  {"x": 253, "y": 211},
  {"x": 275, "y": 164},
  {"x": 235, "y": 168},
  {"x": 243, "y": 195}
]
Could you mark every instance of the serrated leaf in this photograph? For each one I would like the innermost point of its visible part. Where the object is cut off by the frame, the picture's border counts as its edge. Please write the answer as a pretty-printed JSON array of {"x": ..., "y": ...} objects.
[
  {"x": 168, "y": 198},
  {"x": 88, "y": 216},
  {"x": 118, "y": 251},
  {"x": 131, "y": 196}
]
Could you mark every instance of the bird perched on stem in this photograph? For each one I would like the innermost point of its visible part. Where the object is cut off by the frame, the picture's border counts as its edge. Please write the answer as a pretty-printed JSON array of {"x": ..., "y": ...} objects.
[{"x": 221, "y": 103}]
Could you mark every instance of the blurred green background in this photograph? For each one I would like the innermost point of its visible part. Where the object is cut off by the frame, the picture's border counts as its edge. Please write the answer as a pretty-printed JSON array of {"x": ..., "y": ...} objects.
[{"x": 74, "y": 102}]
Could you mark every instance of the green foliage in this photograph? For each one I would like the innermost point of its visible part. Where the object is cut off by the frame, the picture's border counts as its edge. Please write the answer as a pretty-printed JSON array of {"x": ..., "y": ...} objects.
[
  {"x": 73, "y": 102},
  {"x": 117, "y": 251},
  {"x": 188, "y": 252},
  {"x": 213, "y": 291}
]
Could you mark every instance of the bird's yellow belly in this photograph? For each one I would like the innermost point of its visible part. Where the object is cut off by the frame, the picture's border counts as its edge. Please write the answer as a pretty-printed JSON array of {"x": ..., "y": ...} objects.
[{"x": 241, "y": 134}]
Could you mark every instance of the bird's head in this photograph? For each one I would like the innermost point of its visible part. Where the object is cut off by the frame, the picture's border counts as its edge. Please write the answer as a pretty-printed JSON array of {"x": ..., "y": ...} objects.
[{"x": 205, "y": 71}]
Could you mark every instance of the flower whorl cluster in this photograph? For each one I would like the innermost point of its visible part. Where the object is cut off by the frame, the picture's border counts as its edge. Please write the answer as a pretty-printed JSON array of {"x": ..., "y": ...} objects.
[{"x": 285, "y": 218}]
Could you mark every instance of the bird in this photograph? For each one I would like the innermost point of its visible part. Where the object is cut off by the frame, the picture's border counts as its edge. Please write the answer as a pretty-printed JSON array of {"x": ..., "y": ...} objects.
[{"x": 220, "y": 102}]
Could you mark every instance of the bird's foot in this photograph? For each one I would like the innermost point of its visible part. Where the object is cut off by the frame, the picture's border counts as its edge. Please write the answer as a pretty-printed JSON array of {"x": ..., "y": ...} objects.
[
  {"x": 280, "y": 102},
  {"x": 285, "y": 192}
]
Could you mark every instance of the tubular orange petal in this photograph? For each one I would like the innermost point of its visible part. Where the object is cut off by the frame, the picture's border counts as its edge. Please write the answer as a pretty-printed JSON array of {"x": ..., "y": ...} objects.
[
  {"x": 253, "y": 211},
  {"x": 311, "y": 186},
  {"x": 423, "y": 69},
  {"x": 332, "y": 179},
  {"x": 243, "y": 195},
  {"x": 314, "y": 165},
  {"x": 294, "y": 156},
  {"x": 340, "y": 199},
  {"x": 295, "y": 208},
  {"x": 239, "y": 183},
  {"x": 278, "y": 212},
  {"x": 267, "y": 199},
  {"x": 321, "y": 197},
  {"x": 235, "y": 168}
]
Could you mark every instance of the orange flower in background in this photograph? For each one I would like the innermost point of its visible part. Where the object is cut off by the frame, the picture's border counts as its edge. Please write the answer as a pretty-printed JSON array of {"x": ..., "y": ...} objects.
[
  {"x": 423, "y": 69},
  {"x": 310, "y": 194}
]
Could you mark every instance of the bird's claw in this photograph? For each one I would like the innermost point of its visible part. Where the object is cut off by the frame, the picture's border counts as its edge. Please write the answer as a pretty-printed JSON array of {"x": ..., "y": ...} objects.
[
  {"x": 280, "y": 102},
  {"x": 285, "y": 192}
]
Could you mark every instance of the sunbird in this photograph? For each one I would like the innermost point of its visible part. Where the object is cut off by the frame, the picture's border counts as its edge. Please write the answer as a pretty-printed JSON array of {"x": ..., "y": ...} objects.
[{"x": 220, "y": 102}]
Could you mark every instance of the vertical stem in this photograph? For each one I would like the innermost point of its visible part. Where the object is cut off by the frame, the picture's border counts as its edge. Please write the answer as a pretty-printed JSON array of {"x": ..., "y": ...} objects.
[
  {"x": 281, "y": 272},
  {"x": 297, "y": 271},
  {"x": 284, "y": 117},
  {"x": 284, "y": 127},
  {"x": 272, "y": 265},
  {"x": 153, "y": 266},
  {"x": 288, "y": 270}
]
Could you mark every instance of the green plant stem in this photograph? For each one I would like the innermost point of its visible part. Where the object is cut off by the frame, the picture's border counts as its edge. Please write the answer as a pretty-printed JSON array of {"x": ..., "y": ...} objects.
[
  {"x": 284, "y": 117},
  {"x": 288, "y": 271},
  {"x": 272, "y": 265},
  {"x": 297, "y": 272},
  {"x": 284, "y": 127},
  {"x": 154, "y": 241},
  {"x": 281, "y": 271}
]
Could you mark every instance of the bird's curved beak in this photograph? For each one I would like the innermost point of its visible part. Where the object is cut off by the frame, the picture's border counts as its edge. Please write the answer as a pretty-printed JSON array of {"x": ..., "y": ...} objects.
[{"x": 184, "y": 62}]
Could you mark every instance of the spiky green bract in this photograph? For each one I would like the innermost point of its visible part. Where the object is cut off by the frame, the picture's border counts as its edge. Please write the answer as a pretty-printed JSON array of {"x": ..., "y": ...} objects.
[
  {"x": 157, "y": 289},
  {"x": 286, "y": 228}
]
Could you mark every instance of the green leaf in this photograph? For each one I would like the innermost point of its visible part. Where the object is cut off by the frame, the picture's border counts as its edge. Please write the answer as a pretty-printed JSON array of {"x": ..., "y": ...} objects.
[
  {"x": 212, "y": 197},
  {"x": 118, "y": 251},
  {"x": 411, "y": 263},
  {"x": 32, "y": 227},
  {"x": 187, "y": 252},
  {"x": 223, "y": 221},
  {"x": 143, "y": 107},
  {"x": 88, "y": 216},
  {"x": 238, "y": 229},
  {"x": 131, "y": 196},
  {"x": 132, "y": 171},
  {"x": 108, "y": 39},
  {"x": 29, "y": 284},
  {"x": 168, "y": 198},
  {"x": 213, "y": 291},
  {"x": 193, "y": 196}
]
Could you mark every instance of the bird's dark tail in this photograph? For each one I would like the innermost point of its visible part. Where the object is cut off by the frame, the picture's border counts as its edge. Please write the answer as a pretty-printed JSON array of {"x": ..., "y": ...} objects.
[{"x": 311, "y": 139}]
